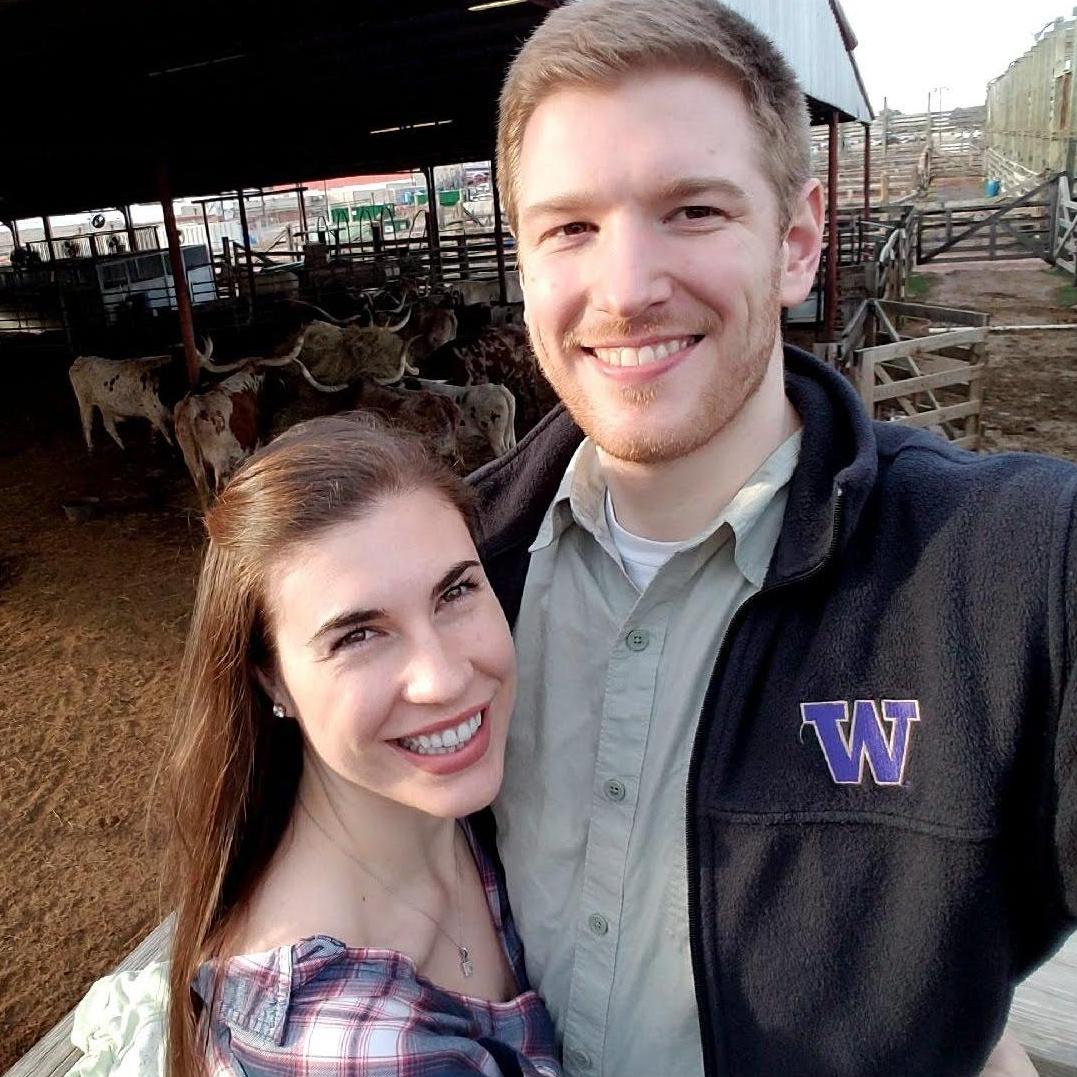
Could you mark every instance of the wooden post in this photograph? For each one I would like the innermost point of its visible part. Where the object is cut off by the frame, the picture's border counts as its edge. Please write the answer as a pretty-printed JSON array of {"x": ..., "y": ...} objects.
[
  {"x": 433, "y": 228},
  {"x": 179, "y": 274},
  {"x": 831, "y": 305},
  {"x": 499, "y": 236},
  {"x": 867, "y": 171},
  {"x": 48, "y": 237},
  {"x": 132, "y": 241},
  {"x": 247, "y": 243}
]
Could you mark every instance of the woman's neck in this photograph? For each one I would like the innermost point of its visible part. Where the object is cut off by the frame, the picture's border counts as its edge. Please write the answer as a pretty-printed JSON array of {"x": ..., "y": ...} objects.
[{"x": 399, "y": 845}]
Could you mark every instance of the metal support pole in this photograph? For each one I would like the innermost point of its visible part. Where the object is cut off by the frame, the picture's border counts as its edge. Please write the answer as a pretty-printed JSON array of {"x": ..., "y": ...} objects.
[
  {"x": 499, "y": 237},
  {"x": 247, "y": 242},
  {"x": 179, "y": 274},
  {"x": 205, "y": 225},
  {"x": 433, "y": 229},
  {"x": 132, "y": 240},
  {"x": 302, "y": 212},
  {"x": 48, "y": 237},
  {"x": 831, "y": 305}
]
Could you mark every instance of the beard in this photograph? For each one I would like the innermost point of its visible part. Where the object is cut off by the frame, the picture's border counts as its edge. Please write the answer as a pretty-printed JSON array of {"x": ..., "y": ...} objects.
[{"x": 630, "y": 427}]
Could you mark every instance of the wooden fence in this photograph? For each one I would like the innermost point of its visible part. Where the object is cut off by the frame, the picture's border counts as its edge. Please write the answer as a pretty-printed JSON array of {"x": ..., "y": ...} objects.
[
  {"x": 906, "y": 151},
  {"x": 1063, "y": 240},
  {"x": 1032, "y": 107},
  {"x": 928, "y": 370}
]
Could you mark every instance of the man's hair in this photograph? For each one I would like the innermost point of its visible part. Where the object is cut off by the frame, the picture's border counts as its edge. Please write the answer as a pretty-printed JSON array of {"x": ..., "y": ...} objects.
[{"x": 600, "y": 43}]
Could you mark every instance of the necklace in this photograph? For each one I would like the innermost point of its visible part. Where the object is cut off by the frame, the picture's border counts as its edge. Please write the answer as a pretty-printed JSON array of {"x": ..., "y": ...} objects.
[{"x": 466, "y": 966}]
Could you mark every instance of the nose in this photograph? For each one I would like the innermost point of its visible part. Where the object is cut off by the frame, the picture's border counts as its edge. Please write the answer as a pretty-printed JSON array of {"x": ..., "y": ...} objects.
[
  {"x": 629, "y": 274},
  {"x": 437, "y": 671}
]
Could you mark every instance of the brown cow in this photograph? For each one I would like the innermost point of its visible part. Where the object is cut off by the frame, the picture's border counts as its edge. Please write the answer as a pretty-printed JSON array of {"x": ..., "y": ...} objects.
[{"x": 218, "y": 429}]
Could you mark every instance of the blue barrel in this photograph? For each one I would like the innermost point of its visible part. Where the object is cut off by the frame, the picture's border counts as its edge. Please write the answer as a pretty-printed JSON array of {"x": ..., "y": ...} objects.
[{"x": 992, "y": 187}]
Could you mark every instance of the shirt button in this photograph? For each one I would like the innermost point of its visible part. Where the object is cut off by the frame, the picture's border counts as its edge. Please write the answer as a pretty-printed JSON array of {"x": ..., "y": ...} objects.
[
  {"x": 638, "y": 639},
  {"x": 598, "y": 924},
  {"x": 578, "y": 1059},
  {"x": 614, "y": 789}
]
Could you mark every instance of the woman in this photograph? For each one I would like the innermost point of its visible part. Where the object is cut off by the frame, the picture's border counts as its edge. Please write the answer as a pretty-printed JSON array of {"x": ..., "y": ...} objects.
[{"x": 347, "y": 686}]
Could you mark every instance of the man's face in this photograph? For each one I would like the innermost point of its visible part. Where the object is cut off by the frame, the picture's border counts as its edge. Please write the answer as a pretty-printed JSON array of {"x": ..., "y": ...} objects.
[{"x": 652, "y": 263}]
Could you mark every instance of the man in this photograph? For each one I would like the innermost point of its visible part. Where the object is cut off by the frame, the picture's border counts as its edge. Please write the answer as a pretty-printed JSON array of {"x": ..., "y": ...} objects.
[{"x": 790, "y": 786}]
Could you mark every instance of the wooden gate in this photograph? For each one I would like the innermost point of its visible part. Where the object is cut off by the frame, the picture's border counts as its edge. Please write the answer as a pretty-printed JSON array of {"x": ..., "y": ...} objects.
[
  {"x": 988, "y": 231},
  {"x": 917, "y": 365}
]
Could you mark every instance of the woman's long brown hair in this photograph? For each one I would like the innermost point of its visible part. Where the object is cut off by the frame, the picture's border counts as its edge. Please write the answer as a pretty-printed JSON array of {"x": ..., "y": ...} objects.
[{"x": 233, "y": 769}]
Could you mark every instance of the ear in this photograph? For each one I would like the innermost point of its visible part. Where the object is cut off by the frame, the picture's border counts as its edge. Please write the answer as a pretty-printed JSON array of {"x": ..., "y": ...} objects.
[
  {"x": 273, "y": 685},
  {"x": 803, "y": 245}
]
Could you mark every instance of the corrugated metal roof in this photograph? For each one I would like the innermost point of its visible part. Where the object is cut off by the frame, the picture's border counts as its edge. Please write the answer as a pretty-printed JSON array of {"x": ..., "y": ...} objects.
[{"x": 813, "y": 37}]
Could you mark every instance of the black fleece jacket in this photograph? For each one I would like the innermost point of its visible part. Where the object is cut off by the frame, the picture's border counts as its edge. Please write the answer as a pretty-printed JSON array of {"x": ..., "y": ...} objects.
[{"x": 871, "y": 923}]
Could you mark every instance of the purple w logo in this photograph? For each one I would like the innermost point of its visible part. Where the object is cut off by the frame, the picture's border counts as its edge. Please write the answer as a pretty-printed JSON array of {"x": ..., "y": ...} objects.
[{"x": 865, "y": 739}]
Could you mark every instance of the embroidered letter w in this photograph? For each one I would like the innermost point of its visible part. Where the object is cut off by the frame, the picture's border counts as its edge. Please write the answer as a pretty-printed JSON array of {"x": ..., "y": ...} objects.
[{"x": 846, "y": 745}]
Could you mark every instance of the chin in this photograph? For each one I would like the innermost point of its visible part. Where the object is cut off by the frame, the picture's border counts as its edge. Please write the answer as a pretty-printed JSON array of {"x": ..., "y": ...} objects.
[{"x": 466, "y": 794}]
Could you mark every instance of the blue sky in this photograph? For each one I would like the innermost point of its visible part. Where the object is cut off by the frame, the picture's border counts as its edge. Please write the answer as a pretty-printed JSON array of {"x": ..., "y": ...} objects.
[{"x": 909, "y": 48}]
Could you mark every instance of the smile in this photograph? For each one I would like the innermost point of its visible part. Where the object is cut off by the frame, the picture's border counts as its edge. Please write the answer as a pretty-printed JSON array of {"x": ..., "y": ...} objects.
[
  {"x": 446, "y": 741},
  {"x": 644, "y": 356}
]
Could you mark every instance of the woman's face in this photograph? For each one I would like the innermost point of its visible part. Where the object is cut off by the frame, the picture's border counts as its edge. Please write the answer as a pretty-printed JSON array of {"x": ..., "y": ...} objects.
[{"x": 394, "y": 655}]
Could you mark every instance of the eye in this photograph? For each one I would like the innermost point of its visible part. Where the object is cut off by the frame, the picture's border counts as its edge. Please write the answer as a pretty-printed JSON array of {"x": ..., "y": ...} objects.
[
  {"x": 355, "y": 638},
  {"x": 697, "y": 213},
  {"x": 569, "y": 231},
  {"x": 459, "y": 590}
]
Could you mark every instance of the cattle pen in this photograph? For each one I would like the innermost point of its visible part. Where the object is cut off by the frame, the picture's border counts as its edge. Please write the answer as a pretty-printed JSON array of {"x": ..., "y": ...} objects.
[{"x": 247, "y": 243}]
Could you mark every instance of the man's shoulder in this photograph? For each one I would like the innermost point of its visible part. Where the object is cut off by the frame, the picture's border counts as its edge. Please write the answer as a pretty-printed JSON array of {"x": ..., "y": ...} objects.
[{"x": 925, "y": 478}]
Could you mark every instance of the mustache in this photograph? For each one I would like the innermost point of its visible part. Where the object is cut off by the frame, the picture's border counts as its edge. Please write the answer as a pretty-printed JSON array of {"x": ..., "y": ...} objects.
[{"x": 634, "y": 328}]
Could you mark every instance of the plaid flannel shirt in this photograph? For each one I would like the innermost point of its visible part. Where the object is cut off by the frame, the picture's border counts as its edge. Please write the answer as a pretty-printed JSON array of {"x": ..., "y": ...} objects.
[{"x": 320, "y": 1009}]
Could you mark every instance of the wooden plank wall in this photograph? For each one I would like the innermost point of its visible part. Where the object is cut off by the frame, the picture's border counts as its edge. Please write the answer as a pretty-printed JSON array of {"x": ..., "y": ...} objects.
[{"x": 1032, "y": 107}]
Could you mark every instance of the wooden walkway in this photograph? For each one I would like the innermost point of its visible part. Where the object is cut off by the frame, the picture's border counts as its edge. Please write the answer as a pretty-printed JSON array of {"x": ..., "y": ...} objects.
[
  {"x": 54, "y": 1055},
  {"x": 1044, "y": 1014}
]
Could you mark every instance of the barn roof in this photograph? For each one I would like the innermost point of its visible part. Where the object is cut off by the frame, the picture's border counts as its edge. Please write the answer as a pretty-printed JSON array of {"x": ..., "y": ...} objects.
[{"x": 263, "y": 92}]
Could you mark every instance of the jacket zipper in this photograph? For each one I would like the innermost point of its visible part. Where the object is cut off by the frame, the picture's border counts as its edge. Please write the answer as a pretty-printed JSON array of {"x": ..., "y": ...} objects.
[{"x": 711, "y": 1067}]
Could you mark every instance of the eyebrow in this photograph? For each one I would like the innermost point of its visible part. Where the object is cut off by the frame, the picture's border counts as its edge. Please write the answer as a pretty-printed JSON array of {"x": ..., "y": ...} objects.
[
  {"x": 686, "y": 187},
  {"x": 358, "y": 617}
]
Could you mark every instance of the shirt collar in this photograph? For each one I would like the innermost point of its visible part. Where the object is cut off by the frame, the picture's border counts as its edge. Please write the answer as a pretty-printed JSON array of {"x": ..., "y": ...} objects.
[{"x": 580, "y": 499}]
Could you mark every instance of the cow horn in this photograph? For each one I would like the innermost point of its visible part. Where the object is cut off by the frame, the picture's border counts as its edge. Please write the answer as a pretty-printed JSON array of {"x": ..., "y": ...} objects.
[
  {"x": 400, "y": 324},
  {"x": 314, "y": 383},
  {"x": 284, "y": 360},
  {"x": 218, "y": 368},
  {"x": 408, "y": 368},
  {"x": 324, "y": 315}
]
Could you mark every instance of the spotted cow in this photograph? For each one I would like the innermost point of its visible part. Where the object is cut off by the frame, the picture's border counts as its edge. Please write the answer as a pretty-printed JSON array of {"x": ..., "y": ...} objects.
[
  {"x": 120, "y": 389},
  {"x": 499, "y": 355}
]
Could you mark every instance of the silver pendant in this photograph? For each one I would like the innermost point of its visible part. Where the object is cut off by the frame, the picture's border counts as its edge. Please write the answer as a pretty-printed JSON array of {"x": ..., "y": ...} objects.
[{"x": 466, "y": 967}]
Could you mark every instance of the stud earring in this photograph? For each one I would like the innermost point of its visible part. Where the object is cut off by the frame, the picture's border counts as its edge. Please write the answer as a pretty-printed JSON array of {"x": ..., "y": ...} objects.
[{"x": 278, "y": 710}]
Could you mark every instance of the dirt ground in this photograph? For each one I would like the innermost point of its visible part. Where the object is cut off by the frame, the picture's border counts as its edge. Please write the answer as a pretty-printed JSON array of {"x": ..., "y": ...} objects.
[{"x": 92, "y": 617}]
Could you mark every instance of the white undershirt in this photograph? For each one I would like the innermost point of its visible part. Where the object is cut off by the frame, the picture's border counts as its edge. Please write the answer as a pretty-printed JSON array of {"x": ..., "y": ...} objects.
[{"x": 642, "y": 558}]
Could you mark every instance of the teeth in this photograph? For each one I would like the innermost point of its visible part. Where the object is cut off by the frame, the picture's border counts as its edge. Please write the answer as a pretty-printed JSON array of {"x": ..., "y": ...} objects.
[
  {"x": 445, "y": 742},
  {"x": 642, "y": 356}
]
